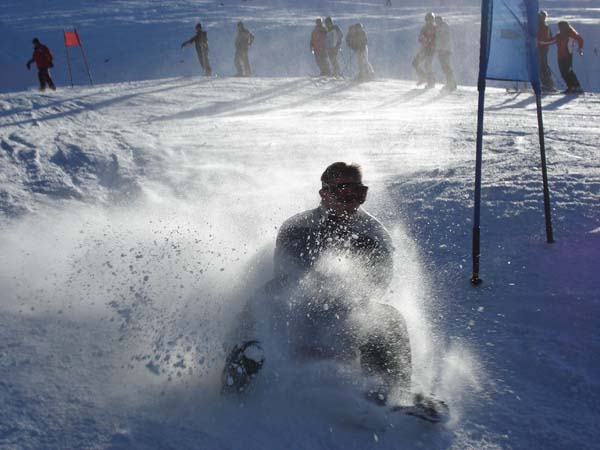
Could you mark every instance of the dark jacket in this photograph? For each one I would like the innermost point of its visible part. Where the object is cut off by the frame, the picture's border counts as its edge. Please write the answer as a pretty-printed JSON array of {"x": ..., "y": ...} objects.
[{"x": 307, "y": 236}]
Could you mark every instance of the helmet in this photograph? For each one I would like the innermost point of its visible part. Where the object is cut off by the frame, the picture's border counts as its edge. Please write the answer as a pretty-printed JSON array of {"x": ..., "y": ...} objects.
[{"x": 429, "y": 17}]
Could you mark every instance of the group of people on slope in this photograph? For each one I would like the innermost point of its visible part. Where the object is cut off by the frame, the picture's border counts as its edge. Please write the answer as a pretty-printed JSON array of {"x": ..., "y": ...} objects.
[
  {"x": 326, "y": 42},
  {"x": 243, "y": 40},
  {"x": 434, "y": 38},
  {"x": 564, "y": 40}
]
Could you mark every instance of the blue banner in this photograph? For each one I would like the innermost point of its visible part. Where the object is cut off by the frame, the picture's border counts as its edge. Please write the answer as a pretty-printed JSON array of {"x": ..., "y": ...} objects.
[{"x": 511, "y": 40}]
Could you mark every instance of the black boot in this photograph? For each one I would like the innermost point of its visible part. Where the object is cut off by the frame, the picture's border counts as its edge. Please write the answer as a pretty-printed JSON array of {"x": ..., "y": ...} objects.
[{"x": 242, "y": 364}]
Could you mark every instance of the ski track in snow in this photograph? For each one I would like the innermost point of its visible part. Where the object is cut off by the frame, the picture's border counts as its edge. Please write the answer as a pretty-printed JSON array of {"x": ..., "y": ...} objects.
[{"x": 138, "y": 217}]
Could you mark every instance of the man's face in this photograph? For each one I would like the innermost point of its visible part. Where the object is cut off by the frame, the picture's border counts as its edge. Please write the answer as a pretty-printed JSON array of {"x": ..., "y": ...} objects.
[{"x": 344, "y": 195}]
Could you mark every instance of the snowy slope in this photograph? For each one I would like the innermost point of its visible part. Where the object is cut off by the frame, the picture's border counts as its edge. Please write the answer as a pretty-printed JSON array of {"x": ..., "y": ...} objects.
[{"x": 138, "y": 216}]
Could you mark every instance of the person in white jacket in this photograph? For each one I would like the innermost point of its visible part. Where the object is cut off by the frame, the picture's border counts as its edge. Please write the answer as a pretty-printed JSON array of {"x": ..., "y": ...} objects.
[
  {"x": 443, "y": 47},
  {"x": 334, "y": 43}
]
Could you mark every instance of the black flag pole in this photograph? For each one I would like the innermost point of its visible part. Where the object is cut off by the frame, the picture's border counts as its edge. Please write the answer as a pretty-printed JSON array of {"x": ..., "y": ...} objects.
[{"x": 547, "y": 213}]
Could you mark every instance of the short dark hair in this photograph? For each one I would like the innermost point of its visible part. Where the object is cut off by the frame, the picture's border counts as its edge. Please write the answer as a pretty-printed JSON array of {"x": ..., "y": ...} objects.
[
  {"x": 35, "y": 41},
  {"x": 340, "y": 169}
]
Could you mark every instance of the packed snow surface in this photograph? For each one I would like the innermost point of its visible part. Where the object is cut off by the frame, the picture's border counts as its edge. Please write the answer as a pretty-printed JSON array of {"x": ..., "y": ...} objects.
[{"x": 137, "y": 217}]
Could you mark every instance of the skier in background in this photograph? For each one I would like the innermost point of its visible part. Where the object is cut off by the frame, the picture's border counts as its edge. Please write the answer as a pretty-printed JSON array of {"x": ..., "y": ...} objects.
[
  {"x": 43, "y": 60},
  {"x": 424, "y": 58},
  {"x": 564, "y": 42},
  {"x": 356, "y": 39},
  {"x": 544, "y": 34},
  {"x": 443, "y": 47},
  {"x": 318, "y": 45},
  {"x": 243, "y": 41},
  {"x": 319, "y": 324},
  {"x": 334, "y": 43},
  {"x": 388, "y": 2},
  {"x": 200, "y": 40}
]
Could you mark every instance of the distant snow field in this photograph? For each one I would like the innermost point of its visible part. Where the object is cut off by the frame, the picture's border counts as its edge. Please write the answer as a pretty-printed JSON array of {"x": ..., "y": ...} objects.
[{"x": 138, "y": 216}]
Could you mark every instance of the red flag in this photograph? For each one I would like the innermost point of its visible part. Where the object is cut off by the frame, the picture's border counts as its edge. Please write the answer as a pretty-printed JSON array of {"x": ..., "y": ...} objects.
[{"x": 72, "y": 39}]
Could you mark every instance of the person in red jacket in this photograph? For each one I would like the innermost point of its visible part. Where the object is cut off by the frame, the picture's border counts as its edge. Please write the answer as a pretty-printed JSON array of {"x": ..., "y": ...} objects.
[
  {"x": 544, "y": 34},
  {"x": 318, "y": 45},
  {"x": 564, "y": 42},
  {"x": 43, "y": 60}
]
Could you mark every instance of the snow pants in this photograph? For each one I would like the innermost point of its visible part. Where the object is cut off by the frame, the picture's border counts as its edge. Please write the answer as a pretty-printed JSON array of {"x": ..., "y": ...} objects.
[
  {"x": 566, "y": 71},
  {"x": 332, "y": 53},
  {"x": 323, "y": 63},
  {"x": 320, "y": 327},
  {"x": 444, "y": 59},
  {"x": 45, "y": 79},
  {"x": 545, "y": 72},
  {"x": 242, "y": 63},
  {"x": 365, "y": 69},
  {"x": 422, "y": 64},
  {"x": 204, "y": 63}
]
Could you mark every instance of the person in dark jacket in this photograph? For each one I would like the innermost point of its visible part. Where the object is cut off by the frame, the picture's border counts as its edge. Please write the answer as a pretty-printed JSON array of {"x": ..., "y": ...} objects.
[
  {"x": 243, "y": 41},
  {"x": 43, "y": 60},
  {"x": 544, "y": 34},
  {"x": 318, "y": 45},
  {"x": 424, "y": 58},
  {"x": 200, "y": 41},
  {"x": 318, "y": 320},
  {"x": 563, "y": 40}
]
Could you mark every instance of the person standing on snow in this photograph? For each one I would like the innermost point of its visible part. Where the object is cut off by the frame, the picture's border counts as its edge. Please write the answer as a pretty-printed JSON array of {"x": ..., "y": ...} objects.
[
  {"x": 318, "y": 45},
  {"x": 200, "y": 40},
  {"x": 243, "y": 41},
  {"x": 319, "y": 323},
  {"x": 356, "y": 39},
  {"x": 443, "y": 47},
  {"x": 544, "y": 34},
  {"x": 43, "y": 60},
  {"x": 424, "y": 58},
  {"x": 334, "y": 43},
  {"x": 564, "y": 42}
]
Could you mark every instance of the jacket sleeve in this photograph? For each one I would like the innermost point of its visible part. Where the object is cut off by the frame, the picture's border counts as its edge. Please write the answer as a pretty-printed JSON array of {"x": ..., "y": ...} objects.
[{"x": 575, "y": 35}]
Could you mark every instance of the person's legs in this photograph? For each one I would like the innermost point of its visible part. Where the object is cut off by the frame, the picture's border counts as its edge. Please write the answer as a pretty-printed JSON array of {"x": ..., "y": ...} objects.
[
  {"x": 237, "y": 61},
  {"x": 333, "y": 59},
  {"x": 444, "y": 58},
  {"x": 246, "y": 63},
  {"x": 323, "y": 63},
  {"x": 385, "y": 350},
  {"x": 428, "y": 69},
  {"x": 205, "y": 63},
  {"x": 42, "y": 78},
  {"x": 416, "y": 63},
  {"x": 545, "y": 72}
]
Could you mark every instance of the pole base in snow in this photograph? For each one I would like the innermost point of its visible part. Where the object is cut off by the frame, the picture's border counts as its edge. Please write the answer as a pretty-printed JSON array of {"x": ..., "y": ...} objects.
[{"x": 475, "y": 280}]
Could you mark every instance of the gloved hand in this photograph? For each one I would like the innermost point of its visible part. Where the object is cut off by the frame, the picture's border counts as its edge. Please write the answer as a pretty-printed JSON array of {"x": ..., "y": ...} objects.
[{"x": 580, "y": 52}]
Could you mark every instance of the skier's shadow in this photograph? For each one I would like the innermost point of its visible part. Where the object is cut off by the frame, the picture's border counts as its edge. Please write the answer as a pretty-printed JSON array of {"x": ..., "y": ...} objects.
[
  {"x": 406, "y": 97},
  {"x": 94, "y": 106},
  {"x": 230, "y": 107}
]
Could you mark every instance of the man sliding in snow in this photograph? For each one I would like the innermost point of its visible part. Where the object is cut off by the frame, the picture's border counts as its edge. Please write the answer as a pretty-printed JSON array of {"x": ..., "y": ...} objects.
[{"x": 308, "y": 301}]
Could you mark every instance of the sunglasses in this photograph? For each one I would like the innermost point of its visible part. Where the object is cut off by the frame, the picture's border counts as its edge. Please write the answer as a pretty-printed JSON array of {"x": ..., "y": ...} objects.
[{"x": 343, "y": 188}]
